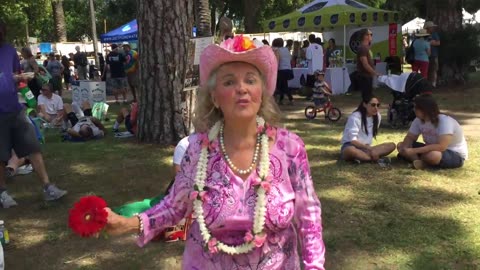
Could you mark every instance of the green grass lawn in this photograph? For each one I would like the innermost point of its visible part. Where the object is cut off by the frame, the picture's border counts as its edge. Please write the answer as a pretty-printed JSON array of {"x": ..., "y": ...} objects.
[{"x": 372, "y": 218}]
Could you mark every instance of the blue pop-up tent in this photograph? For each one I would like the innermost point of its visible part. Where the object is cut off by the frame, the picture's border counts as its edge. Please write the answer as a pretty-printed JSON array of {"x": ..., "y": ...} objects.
[{"x": 126, "y": 32}]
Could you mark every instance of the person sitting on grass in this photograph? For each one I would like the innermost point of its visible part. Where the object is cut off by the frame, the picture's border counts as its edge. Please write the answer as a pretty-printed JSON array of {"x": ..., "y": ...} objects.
[
  {"x": 445, "y": 146},
  {"x": 50, "y": 106},
  {"x": 86, "y": 127},
  {"x": 320, "y": 89},
  {"x": 362, "y": 126},
  {"x": 130, "y": 118}
]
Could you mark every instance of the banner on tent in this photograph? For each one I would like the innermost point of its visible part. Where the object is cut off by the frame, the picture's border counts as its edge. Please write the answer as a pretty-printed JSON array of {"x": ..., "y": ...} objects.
[{"x": 392, "y": 39}]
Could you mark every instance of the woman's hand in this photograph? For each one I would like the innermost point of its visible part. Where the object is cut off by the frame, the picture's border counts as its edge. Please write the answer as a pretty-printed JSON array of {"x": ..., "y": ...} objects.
[{"x": 118, "y": 225}]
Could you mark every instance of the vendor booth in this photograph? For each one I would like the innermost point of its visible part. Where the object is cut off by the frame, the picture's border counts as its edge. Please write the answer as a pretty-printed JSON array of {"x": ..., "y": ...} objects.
[{"x": 342, "y": 20}]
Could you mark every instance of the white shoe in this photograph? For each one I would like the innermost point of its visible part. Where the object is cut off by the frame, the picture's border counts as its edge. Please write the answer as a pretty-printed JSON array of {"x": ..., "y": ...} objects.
[
  {"x": 6, "y": 200},
  {"x": 53, "y": 193},
  {"x": 25, "y": 169}
]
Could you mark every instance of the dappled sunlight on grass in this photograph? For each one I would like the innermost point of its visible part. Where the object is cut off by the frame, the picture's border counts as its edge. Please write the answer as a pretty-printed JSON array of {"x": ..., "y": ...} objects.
[{"x": 83, "y": 169}]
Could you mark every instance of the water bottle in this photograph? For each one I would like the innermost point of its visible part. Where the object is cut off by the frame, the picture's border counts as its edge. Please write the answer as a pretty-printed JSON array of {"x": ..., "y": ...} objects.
[
  {"x": 4, "y": 237},
  {"x": 28, "y": 96},
  {"x": 2, "y": 263}
]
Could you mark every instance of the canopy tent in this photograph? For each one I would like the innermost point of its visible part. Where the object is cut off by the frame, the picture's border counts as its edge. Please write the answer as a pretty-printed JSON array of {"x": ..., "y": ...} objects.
[
  {"x": 126, "y": 32},
  {"x": 332, "y": 15},
  {"x": 323, "y": 15},
  {"x": 413, "y": 26}
]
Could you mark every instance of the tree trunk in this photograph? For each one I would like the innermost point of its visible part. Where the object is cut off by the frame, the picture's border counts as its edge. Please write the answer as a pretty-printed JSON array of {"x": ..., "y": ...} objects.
[
  {"x": 251, "y": 10},
  {"x": 447, "y": 14},
  {"x": 203, "y": 18},
  {"x": 59, "y": 19},
  {"x": 165, "y": 27}
]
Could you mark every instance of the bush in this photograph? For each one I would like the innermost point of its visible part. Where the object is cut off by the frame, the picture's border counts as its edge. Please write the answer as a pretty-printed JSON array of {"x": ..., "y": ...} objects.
[{"x": 457, "y": 50}]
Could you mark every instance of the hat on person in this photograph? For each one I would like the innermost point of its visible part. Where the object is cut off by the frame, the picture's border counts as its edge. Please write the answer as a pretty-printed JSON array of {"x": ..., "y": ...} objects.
[
  {"x": 126, "y": 45},
  {"x": 114, "y": 46},
  {"x": 318, "y": 72},
  {"x": 422, "y": 33},
  {"x": 428, "y": 24},
  {"x": 240, "y": 49}
]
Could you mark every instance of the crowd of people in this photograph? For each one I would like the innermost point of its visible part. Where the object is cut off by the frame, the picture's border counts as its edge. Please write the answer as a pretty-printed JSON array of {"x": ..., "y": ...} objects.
[{"x": 118, "y": 69}]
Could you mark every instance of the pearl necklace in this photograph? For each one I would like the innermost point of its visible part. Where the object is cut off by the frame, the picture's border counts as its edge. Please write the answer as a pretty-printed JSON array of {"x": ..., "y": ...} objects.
[{"x": 229, "y": 161}]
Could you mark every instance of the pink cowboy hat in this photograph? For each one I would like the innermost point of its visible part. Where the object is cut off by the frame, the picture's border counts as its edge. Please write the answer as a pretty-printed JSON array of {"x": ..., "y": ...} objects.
[{"x": 240, "y": 49}]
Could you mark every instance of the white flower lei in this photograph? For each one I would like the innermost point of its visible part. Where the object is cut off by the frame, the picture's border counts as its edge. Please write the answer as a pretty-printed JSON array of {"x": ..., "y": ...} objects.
[{"x": 258, "y": 237}]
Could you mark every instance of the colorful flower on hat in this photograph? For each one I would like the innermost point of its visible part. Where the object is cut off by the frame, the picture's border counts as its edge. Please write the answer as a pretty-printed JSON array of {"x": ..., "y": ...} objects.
[{"x": 239, "y": 43}]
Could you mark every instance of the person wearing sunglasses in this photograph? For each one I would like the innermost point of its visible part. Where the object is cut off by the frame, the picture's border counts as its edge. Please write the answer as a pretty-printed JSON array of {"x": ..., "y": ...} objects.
[
  {"x": 360, "y": 130},
  {"x": 445, "y": 146},
  {"x": 365, "y": 65}
]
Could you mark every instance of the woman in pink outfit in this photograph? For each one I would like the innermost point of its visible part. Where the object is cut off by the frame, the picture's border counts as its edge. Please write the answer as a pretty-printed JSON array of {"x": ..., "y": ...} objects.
[{"x": 246, "y": 180}]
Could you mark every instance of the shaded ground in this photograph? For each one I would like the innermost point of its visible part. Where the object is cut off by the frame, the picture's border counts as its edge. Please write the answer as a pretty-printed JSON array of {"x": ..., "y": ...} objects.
[{"x": 373, "y": 218}]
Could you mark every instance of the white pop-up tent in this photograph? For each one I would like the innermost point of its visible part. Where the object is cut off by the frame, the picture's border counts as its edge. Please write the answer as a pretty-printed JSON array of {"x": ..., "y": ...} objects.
[{"x": 413, "y": 26}]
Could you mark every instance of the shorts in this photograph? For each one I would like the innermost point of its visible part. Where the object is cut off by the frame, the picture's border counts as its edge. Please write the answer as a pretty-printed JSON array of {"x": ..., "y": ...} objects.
[
  {"x": 118, "y": 83},
  {"x": 128, "y": 124},
  {"x": 132, "y": 79},
  {"x": 348, "y": 144},
  {"x": 450, "y": 159},
  {"x": 56, "y": 82},
  {"x": 17, "y": 133},
  {"x": 319, "y": 101}
]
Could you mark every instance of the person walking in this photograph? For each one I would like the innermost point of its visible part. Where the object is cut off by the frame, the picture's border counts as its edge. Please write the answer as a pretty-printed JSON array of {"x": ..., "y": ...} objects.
[
  {"x": 81, "y": 63},
  {"x": 131, "y": 66},
  {"x": 314, "y": 56},
  {"x": 55, "y": 68},
  {"x": 435, "y": 46},
  {"x": 284, "y": 70},
  {"x": 422, "y": 52},
  {"x": 17, "y": 133},
  {"x": 66, "y": 72},
  {"x": 365, "y": 68},
  {"x": 117, "y": 80}
]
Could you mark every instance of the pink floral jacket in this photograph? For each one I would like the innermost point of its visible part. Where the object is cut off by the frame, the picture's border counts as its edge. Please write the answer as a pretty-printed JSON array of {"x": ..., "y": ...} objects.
[{"x": 293, "y": 210}]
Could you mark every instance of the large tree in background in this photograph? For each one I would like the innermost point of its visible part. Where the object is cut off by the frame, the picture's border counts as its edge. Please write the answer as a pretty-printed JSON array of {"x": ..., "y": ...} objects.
[
  {"x": 59, "y": 20},
  {"x": 165, "y": 27}
]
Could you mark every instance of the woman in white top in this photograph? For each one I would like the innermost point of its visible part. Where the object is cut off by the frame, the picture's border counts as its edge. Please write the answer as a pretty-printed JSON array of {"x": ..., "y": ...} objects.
[
  {"x": 285, "y": 72},
  {"x": 445, "y": 146},
  {"x": 362, "y": 126}
]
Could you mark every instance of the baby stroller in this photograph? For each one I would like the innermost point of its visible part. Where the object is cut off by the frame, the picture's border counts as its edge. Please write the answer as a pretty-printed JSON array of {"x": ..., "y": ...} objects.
[{"x": 404, "y": 88}]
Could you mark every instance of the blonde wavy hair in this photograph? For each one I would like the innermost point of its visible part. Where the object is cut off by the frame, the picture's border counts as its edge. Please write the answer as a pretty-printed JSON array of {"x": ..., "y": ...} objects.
[{"x": 206, "y": 115}]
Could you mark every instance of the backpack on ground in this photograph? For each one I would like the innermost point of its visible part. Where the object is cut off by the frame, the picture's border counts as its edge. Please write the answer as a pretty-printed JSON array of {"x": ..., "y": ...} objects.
[{"x": 410, "y": 54}]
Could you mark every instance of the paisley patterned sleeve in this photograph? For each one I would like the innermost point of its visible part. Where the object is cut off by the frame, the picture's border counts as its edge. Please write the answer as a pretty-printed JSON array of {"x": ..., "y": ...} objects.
[
  {"x": 176, "y": 204},
  {"x": 307, "y": 218}
]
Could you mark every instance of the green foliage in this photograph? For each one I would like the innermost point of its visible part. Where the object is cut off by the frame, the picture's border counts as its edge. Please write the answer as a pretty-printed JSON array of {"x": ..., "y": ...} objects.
[
  {"x": 458, "y": 49},
  {"x": 37, "y": 14},
  {"x": 18, "y": 13}
]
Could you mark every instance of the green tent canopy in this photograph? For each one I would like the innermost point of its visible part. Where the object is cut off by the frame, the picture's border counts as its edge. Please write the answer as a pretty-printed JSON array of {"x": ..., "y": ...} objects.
[{"x": 326, "y": 15}]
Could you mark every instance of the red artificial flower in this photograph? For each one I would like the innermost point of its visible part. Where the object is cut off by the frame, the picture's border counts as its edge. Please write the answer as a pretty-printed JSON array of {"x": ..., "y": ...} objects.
[{"x": 88, "y": 216}]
